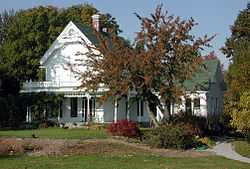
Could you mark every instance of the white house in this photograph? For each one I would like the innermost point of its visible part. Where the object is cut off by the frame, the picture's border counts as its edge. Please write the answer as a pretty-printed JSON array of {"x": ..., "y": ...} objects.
[{"x": 204, "y": 92}]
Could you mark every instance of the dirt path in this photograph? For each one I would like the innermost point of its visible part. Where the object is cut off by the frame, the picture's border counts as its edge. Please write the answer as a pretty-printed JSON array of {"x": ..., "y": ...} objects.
[
  {"x": 163, "y": 152},
  {"x": 36, "y": 147}
]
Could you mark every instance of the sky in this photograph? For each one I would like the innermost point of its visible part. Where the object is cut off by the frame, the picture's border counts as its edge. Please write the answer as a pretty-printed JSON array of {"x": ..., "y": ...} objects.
[{"x": 212, "y": 16}]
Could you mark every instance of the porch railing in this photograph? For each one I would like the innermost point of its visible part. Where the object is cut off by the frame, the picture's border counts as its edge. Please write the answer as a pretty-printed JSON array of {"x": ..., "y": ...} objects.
[
  {"x": 49, "y": 84},
  {"x": 52, "y": 85}
]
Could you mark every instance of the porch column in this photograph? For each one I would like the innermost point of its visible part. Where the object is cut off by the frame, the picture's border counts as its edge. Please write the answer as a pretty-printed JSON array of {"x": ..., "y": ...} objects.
[
  {"x": 59, "y": 111},
  {"x": 44, "y": 112},
  {"x": 192, "y": 106},
  {"x": 29, "y": 110},
  {"x": 27, "y": 114},
  {"x": 171, "y": 108},
  {"x": 139, "y": 108},
  {"x": 88, "y": 109},
  {"x": 115, "y": 110},
  {"x": 128, "y": 112}
]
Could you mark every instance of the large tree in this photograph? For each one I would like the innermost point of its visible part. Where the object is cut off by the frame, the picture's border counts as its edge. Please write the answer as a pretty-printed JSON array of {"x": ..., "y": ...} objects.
[
  {"x": 33, "y": 31},
  {"x": 164, "y": 55},
  {"x": 25, "y": 35},
  {"x": 237, "y": 49}
]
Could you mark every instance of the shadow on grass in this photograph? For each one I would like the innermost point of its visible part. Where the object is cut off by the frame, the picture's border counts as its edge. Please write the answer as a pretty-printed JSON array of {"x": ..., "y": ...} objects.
[{"x": 9, "y": 156}]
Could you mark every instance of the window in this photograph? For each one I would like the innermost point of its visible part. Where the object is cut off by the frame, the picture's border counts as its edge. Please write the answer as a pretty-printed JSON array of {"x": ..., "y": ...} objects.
[
  {"x": 142, "y": 109},
  {"x": 126, "y": 108},
  {"x": 92, "y": 106},
  {"x": 73, "y": 107},
  {"x": 61, "y": 108},
  {"x": 216, "y": 105},
  {"x": 197, "y": 103},
  {"x": 42, "y": 74},
  {"x": 138, "y": 107},
  {"x": 84, "y": 109},
  {"x": 188, "y": 107}
]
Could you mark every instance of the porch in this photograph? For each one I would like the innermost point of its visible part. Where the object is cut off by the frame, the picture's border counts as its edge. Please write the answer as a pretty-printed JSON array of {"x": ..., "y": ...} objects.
[{"x": 84, "y": 108}]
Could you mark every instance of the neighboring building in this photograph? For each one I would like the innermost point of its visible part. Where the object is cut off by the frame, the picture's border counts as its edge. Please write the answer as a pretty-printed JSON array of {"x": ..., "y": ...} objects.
[{"x": 77, "y": 106}]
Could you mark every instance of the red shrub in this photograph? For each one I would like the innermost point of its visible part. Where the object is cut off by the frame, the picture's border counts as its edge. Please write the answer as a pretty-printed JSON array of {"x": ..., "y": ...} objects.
[{"x": 124, "y": 128}]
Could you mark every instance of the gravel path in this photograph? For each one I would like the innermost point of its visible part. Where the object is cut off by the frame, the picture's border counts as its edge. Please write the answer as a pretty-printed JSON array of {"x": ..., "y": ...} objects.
[{"x": 225, "y": 149}]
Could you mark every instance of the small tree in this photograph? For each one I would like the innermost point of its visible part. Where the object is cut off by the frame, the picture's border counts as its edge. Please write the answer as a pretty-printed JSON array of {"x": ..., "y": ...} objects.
[
  {"x": 163, "y": 56},
  {"x": 241, "y": 113}
]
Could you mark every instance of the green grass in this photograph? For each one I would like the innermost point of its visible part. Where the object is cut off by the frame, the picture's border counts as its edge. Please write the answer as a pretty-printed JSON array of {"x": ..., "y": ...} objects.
[
  {"x": 118, "y": 162},
  {"x": 242, "y": 147},
  {"x": 56, "y": 133}
]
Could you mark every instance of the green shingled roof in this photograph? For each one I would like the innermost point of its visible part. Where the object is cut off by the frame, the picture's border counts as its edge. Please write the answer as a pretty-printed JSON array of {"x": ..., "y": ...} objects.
[
  {"x": 203, "y": 77},
  {"x": 88, "y": 31}
]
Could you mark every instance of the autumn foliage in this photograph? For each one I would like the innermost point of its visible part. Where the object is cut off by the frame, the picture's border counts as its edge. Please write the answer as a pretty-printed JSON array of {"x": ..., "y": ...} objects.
[{"x": 164, "y": 54}]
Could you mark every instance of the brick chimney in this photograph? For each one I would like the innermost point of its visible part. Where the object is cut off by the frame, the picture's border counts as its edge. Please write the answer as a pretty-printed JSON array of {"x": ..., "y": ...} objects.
[{"x": 96, "y": 22}]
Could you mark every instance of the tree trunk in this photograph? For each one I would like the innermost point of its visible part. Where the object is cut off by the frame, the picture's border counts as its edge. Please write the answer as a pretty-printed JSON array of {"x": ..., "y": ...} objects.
[
  {"x": 151, "y": 115},
  {"x": 166, "y": 113}
]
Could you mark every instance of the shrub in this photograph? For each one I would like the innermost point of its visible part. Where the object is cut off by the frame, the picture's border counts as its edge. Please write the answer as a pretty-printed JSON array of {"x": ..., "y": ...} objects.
[
  {"x": 171, "y": 136},
  {"x": 192, "y": 129},
  {"x": 207, "y": 141},
  {"x": 196, "y": 125},
  {"x": 248, "y": 136},
  {"x": 124, "y": 128}
]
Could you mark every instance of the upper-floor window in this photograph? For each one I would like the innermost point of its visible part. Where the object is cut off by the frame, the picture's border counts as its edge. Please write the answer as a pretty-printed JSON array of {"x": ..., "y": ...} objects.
[
  {"x": 197, "y": 103},
  {"x": 42, "y": 74}
]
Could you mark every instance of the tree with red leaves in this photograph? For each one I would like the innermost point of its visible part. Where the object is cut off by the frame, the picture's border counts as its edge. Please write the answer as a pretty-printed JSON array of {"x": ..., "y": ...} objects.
[{"x": 163, "y": 56}]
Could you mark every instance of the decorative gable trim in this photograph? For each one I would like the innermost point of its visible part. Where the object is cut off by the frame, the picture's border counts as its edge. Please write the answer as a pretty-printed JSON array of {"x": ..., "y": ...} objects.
[{"x": 70, "y": 34}]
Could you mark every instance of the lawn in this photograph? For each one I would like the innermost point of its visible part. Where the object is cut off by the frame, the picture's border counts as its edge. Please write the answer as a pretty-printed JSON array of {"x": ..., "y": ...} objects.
[
  {"x": 242, "y": 147},
  {"x": 56, "y": 133},
  {"x": 100, "y": 155},
  {"x": 115, "y": 162}
]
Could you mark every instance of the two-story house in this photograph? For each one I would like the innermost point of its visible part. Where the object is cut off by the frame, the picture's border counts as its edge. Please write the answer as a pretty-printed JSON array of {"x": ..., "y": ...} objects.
[{"x": 204, "y": 92}]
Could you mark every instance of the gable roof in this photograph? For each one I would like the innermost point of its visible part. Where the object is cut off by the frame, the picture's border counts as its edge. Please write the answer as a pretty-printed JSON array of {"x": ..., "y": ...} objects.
[
  {"x": 88, "y": 32},
  {"x": 85, "y": 32},
  {"x": 204, "y": 76}
]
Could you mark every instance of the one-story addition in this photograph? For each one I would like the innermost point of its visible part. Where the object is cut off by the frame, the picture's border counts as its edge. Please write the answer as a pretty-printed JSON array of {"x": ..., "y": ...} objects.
[{"x": 204, "y": 92}]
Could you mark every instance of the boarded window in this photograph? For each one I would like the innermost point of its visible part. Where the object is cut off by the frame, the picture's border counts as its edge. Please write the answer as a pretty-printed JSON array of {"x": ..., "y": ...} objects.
[{"x": 73, "y": 108}]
